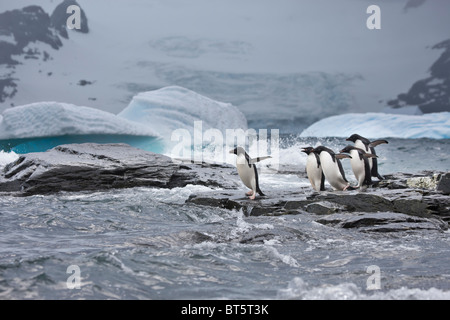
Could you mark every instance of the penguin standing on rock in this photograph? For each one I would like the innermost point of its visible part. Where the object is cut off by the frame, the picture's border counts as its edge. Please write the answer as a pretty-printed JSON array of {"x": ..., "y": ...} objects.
[
  {"x": 247, "y": 171},
  {"x": 369, "y": 147},
  {"x": 332, "y": 168},
  {"x": 314, "y": 169},
  {"x": 360, "y": 165}
]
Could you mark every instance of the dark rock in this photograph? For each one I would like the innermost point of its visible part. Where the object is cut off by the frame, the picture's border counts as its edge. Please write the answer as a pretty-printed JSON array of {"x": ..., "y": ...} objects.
[
  {"x": 8, "y": 88},
  {"x": 383, "y": 222},
  {"x": 383, "y": 209},
  {"x": 27, "y": 25},
  {"x": 95, "y": 167},
  {"x": 431, "y": 94},
  {"x": 84, "y": 167},
  {"x": 444, "y": 184},
  {"x": 84, "y": 83},
  {"x": 24, "y": 26},
  {"x": 325, "y": 208}
]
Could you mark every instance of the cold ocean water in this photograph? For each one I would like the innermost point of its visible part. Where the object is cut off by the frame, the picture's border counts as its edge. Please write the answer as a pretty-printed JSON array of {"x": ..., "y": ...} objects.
[{"x": 144, "y": 243}]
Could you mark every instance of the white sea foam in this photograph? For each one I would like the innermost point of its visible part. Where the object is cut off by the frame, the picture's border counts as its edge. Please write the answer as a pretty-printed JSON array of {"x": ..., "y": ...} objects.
[
  {"x": 7, "y": 157},
  {"x": 299, "y": 289}
]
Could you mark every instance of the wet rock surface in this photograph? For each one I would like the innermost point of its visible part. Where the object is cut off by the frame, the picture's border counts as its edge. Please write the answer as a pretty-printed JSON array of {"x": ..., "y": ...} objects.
[
  {"x": 96, "y": 167},
  {"x": 401, "y": 202}
]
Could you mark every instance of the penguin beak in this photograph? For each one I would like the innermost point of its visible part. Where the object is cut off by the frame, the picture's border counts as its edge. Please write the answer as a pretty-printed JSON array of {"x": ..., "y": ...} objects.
[{"x": 231, "y": 151}]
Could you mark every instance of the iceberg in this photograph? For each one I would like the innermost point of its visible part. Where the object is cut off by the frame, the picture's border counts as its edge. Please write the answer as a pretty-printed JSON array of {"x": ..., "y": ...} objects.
[
  {"x": 44, "y": 125},
  {"x": 49, "y": 119},
  {"x": 146, "y": 123},
  {"x": 172, "y": 108},
  {"x": 382, "y": 125}
]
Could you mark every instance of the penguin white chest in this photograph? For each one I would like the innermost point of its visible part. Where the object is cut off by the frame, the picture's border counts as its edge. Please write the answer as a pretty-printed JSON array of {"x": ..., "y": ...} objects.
[
  {"x": 246, "y": 172},
  {"x": 357, "y": 167},
  {"x": 359, "y": 144},
  {"x": 332, "y": 172},
  {"x": 314, "y": 171}
]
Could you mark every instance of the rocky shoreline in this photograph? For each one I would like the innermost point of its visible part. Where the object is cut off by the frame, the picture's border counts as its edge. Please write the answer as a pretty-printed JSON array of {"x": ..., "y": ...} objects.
[{"x": 401, "y": 202}]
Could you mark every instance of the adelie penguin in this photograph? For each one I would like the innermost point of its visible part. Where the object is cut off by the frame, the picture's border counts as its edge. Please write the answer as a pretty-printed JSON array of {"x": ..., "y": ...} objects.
[
  {"x": 247, "y": 171},
  {"x": 369, "y": 147},
  {"x": 360, "y": 165},
  {"x": 332, "y": 168},
  {"x": 314, "y": 169}
]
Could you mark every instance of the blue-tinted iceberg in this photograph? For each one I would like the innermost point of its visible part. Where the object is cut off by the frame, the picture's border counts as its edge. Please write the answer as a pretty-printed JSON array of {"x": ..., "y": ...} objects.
[
  {"x": 380, "y": 125},
  {"x": 147, "y": 122},
  {"x": 44, "y": 125}
]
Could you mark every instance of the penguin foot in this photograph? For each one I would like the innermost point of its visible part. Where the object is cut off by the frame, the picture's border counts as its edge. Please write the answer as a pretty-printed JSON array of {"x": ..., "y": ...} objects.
[
  {"x": 249, "y": 193},
  {"x": 253, "y": 196}
]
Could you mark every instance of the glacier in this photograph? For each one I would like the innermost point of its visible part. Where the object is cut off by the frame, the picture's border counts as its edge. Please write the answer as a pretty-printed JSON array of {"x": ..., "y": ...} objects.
[{"x": 382, "y": 125}]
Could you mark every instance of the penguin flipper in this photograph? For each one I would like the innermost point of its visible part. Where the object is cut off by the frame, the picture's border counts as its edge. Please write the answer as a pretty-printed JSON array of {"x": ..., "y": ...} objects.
[
  {"x": 343, "y": 156},
  {"x": 322, "y": 183},
  {"x": 341, "y": 170},
  {"x": 375, "y": 143},
  {"x": 256, "y": 160}
]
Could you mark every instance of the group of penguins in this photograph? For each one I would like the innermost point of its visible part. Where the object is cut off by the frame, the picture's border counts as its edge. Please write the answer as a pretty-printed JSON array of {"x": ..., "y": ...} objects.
[{"x": 322, "y": 163}]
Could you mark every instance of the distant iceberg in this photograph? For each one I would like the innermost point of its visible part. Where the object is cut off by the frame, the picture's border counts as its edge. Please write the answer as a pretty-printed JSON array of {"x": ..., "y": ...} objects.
[{"x": 379, "y": 125}]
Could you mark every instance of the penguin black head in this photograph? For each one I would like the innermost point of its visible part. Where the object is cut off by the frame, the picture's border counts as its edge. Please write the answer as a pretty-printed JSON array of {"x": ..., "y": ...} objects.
[
  {"x": 354, "y": 137},
  {"x": 238, "y": 150},
  {"x": 347, "y": 149},
  {"x": 319, "y": 149},
  {"x": 308, "y": 150}
]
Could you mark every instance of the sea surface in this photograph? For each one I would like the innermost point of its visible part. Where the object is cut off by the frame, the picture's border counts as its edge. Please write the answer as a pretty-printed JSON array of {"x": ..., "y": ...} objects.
[{"x": 144, "y": 243}]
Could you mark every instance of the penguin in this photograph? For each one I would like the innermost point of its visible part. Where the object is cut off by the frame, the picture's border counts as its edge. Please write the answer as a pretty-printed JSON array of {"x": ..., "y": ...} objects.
[
  {"x": 332, "y": 168},
  {"x": 247, "y": 171},
  {"x": 369, "y": 147},
  {"x": 360, "y": 165},
  {"x": 314, "y": 169}
]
